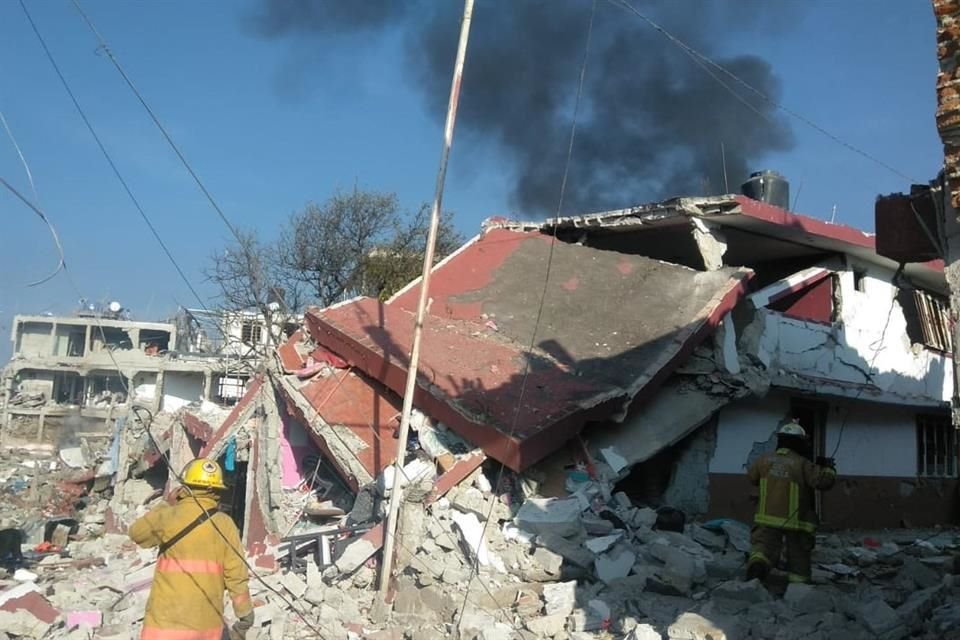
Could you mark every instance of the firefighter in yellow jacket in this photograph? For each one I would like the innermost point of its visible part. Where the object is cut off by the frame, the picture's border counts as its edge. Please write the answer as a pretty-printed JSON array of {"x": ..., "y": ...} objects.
[
  {"x": 195, "y": 562},
  {"x": 786, "y": 509}
]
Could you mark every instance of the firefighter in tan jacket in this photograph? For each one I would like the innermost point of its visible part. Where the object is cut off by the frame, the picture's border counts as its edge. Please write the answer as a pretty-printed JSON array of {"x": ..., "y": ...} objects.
[
  {"x": 198, "y": 559},
  {"x": 786, "y": 509}
]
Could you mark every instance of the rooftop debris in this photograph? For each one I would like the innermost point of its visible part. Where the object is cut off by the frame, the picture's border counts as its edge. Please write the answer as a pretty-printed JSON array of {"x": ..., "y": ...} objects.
[{"x": 513, "y": 524}]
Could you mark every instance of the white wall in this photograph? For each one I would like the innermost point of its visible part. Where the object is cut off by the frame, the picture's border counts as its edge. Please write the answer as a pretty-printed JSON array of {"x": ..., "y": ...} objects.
[
  {"x": 877, "y": 440},
  {"x": 834, "y": 359},
  {"x": 180, "y": 389},
  {"x": 743, "y": 424}
]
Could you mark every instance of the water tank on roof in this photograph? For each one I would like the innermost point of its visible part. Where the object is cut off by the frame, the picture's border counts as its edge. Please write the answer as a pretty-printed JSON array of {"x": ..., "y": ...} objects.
[{"x": 769, "y": 187}]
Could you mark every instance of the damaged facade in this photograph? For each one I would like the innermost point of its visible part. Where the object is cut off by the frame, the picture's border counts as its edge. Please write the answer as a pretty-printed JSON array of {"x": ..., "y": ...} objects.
[
  {"x": 592, "y": 483},
  {"x": 90, "y": 368},
  {"x": 674, "y": 339}
]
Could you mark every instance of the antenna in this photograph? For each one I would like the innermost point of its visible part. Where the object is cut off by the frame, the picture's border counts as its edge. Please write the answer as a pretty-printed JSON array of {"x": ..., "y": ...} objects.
[{"x": 833, "y": 216}]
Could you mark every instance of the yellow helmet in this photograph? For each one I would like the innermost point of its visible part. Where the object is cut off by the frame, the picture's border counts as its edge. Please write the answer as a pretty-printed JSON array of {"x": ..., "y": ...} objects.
[{"x": 203, "y": 473}]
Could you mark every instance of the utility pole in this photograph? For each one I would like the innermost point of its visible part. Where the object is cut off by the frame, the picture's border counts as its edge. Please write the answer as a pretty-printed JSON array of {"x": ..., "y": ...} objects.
[
  {"x": 397, "y": 494},
  {"x": 947, "y": 13}
]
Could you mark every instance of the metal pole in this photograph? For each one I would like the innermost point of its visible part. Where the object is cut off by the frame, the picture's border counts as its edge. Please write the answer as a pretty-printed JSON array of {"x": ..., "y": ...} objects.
[{"x": 395, "y": 497}]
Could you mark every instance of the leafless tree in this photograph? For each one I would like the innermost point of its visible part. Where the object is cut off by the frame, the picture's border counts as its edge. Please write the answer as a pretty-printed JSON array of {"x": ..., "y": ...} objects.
[
  {"x": 249, "y": 277},
  {"x": 357, "y": 243}
]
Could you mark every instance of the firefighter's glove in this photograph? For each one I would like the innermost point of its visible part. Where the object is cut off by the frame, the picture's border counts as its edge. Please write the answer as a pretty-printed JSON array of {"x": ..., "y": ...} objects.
[
  {"x": 241, "y": 626},
  {"x": 824, "y": 461}
]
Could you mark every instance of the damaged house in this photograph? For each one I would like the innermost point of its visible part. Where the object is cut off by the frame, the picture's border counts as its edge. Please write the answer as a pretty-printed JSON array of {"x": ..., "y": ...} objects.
[
  {"x": 673, "y": 340},
  {"x": 88, "y": 369}
]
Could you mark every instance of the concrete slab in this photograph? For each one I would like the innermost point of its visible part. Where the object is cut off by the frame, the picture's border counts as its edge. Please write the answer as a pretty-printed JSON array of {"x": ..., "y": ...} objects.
[{"x": 613, "y": 327}]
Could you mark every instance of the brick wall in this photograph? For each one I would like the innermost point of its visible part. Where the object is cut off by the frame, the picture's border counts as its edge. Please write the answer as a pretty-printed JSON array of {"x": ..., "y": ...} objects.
[{"x": 948, "y": 90}]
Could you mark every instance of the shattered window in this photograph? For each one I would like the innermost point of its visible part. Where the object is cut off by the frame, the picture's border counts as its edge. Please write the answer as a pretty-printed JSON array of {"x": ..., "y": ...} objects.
[
  {"x": 936, "y": 447},
  {"x": 927, "y": 317},
  {"x": 251, "y": 333}
]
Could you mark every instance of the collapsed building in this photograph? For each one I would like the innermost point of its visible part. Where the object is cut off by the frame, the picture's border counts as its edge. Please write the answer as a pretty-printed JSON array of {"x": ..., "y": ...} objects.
[
  {"x": 590, "y": 392},
  {"x": 672, "y": 341},
  {"x": 88, "y": 369}
]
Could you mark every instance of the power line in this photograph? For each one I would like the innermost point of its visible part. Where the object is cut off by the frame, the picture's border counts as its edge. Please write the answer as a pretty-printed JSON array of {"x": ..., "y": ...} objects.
[
  {"x": 474, "y": 566},
  {"x": 396, "y": 484},
  {"x": 180, "y": 155},
  {"x": 53, "y": 232},
  {"x": 123, "y": 381},
  {"x": 153, "y": 116},
  {"x": 696, "y": 55},
  {"x": 61, "y": 266},
  {"x": 106, "y": 155}
]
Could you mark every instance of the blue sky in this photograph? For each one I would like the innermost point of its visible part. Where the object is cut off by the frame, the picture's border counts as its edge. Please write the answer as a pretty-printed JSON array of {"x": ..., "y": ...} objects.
[{"x": 270, "y": 125}]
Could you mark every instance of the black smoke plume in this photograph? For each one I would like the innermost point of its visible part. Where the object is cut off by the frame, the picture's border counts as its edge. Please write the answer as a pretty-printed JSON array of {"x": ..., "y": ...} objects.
[{"x": 651, "y": 121}]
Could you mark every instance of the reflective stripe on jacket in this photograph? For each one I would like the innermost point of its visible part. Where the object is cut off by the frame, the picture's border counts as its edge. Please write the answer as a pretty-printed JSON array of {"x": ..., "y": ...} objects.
[
  {"x": 186, "y": 599},
  {"x": 787, "y": 481}
]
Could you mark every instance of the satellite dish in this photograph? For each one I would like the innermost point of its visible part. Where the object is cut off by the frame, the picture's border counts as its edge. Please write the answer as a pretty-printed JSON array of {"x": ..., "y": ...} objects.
[{"x": 115, "y": 307}]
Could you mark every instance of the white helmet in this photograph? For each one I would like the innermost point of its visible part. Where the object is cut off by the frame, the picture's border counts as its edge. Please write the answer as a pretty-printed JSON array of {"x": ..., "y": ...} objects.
[{"x": 792, "y": 428}]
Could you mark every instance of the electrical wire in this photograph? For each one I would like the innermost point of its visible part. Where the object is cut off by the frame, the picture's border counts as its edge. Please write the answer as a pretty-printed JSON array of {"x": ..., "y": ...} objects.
[
  {"x": 877, "y": 346},
  {"x": 53, "y": 231},
  {"x": 123, "y": 381},
  {"x": 116, "y": 171},
  {"x": 103, "y": 46},
  {"x": 61, "y": 266},
  {"x": 136, "y": 409},
  {"x": 474, "y": 566},
  {"x": 403, "y": 473},
  {"x": 106, "y": 155},
  {"x": 693, "y": 53},
  {"x": 296, "y": 610}
]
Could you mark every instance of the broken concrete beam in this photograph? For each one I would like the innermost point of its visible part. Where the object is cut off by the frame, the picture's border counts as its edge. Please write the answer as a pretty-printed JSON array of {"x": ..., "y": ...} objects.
[{"x": 550, "y": 516}]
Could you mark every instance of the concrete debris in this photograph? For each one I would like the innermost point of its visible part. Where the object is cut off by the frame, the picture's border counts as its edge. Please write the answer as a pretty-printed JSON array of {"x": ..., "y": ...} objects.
[
  {"x": 881, "y": 620},
  {"x": 550, "y": 515},
  {"x": 560, "y": 598},
  {"x": 593, "y": 564},
  {"x": 615, "y": 564},
  {"x": 693, "y": 626}
]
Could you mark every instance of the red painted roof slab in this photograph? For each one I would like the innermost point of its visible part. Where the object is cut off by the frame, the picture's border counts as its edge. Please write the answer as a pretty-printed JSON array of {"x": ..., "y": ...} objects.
[
  {"x": 611, "y": 325},
  {"x": 368, "y": 409}
]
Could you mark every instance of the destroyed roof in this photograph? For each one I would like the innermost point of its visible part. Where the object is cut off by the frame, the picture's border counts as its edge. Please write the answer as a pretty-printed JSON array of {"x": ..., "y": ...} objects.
[
  {"x": 613, "y": 326},
  {"x": 755, "y": 231}
]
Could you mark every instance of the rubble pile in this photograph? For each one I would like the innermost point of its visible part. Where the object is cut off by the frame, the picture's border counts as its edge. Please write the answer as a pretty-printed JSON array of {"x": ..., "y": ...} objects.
[{"x": 587, "y": 565}]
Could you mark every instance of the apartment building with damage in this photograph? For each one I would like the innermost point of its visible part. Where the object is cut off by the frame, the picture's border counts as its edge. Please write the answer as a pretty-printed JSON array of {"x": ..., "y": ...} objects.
[
  {"x": 89, "y": 368},
  {"x": 672, "y": 341}
]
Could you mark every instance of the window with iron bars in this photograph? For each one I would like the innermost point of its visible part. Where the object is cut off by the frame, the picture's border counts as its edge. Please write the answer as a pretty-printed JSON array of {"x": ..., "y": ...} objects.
[
  {"x": 936, "y": 447},
  {"x": 251, "y": 333}
]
